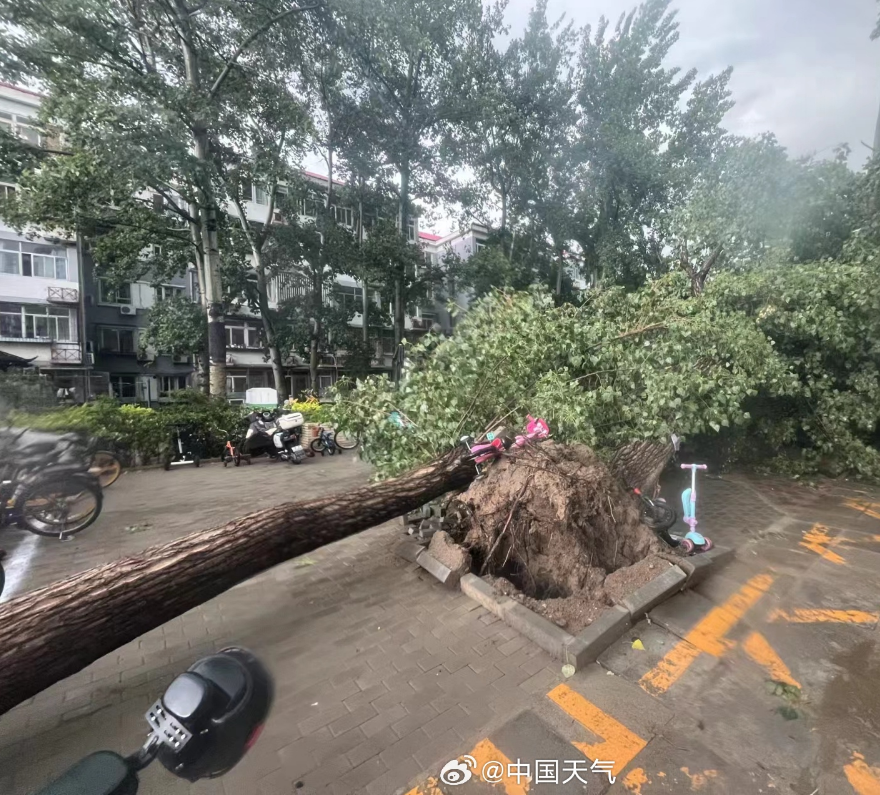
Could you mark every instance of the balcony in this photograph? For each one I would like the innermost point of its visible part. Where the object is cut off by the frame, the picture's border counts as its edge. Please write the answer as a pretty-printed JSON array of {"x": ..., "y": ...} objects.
[
  {"x": 66, "y": 353},
  {"x": 63, "y": 295}
]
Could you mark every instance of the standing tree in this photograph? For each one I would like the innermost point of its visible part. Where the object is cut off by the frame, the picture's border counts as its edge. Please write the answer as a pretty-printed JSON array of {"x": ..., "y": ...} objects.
[
  {"x": 643, "y": 132},
  {"x": 411, "y": 55},
  {"x": 145, "y": 88}
]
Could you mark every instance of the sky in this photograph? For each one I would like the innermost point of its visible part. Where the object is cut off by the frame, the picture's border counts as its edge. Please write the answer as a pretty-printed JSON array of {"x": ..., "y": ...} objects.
[{"x": 803, "y": 69}]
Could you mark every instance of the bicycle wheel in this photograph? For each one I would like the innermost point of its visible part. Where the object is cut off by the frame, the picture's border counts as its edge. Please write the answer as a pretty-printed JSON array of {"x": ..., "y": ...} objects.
[
  {"x": 318, "y": 445},
  {"x": 61, "y": 507},
  {"x": 346, "y": 441},
  {"x": 106, "y": 467}
]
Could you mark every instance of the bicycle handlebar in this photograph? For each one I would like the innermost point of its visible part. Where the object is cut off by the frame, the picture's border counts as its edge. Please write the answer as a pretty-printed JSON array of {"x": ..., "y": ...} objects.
[{"x": 694, "y": 466}]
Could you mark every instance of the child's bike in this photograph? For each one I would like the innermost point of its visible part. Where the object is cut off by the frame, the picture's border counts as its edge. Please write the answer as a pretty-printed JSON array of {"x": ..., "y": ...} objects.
[
  {"x": 495, "y": 446},
  {"x": 660, "y": 516}
]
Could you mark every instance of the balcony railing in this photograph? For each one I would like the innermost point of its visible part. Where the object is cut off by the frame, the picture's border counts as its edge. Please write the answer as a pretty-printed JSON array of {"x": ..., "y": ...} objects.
[
  {"x": 66, "y": 353},
  {"x": 63, "y": 295}
]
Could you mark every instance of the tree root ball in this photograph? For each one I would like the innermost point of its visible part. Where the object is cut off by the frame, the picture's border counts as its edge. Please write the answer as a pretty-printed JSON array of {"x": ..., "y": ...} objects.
[{"x": 554, "y": 521}]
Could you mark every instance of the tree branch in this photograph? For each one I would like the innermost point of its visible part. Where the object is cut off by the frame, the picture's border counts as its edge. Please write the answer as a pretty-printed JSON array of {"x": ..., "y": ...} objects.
[{"x": 250, "y": 40}]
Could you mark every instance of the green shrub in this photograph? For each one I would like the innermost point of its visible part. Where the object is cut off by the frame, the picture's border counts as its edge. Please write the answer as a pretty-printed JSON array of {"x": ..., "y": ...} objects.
[
  {"x": 144, "y": 433},
  {"x": 311, "y": 410}
]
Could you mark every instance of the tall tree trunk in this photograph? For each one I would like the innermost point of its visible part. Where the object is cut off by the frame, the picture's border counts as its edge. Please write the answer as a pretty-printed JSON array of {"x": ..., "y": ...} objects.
[
  {"x": 559, "y": 275},
  {"x": 204, "y": 365},
  {"x": 399, "y": 316},
  {"x": 313, "y": 365},
  {"x": 876, "y": 151},
  {"x": 275, "y": 359},
  {"x": 99, "y": 610}
]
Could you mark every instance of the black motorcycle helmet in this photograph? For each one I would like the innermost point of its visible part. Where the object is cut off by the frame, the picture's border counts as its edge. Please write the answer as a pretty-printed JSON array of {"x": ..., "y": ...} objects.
[{"x": 210, "y": 716}]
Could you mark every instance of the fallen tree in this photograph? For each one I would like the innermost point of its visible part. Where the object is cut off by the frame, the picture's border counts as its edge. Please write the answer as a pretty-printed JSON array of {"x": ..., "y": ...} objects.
[{"x": 50, "y": 634}]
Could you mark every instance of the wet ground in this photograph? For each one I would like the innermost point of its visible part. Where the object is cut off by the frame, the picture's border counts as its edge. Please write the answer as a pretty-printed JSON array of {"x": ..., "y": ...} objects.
[{"x": 763, "y": 679}]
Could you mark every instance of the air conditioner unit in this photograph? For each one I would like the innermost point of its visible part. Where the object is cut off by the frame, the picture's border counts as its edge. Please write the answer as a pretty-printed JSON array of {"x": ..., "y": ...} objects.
[
  {"x": 127, "y": 310},
  {"x": 180, "y": 359}
]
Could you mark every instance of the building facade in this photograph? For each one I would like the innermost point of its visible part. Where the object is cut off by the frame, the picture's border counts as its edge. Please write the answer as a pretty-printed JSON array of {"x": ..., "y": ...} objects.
[{"x": 86, "y": 334}]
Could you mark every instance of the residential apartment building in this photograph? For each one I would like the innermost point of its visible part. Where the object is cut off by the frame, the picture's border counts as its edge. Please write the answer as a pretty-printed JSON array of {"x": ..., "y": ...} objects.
[
  {"x": 86, "y": 334},
  {"x": 41, "y": 296}
]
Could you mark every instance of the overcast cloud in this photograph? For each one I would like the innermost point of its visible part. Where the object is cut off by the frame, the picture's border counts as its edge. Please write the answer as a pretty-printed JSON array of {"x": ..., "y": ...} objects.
[{"x": 803, "y": 69}]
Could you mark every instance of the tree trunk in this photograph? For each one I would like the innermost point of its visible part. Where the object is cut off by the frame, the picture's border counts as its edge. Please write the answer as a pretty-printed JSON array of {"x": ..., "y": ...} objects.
[
  {"x": 94, "y": 612},
  {"x": 399, "y": 318},
  {"x": 313, "y": 365},
  {"x": 559, "y": 275},
  {"x": 275, "y": 359},
  {"x": 640, "y": 464},
  {"x": 204, "y": 372}
]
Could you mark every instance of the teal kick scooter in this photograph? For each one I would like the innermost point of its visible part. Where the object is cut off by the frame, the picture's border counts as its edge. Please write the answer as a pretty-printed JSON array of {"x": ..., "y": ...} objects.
[{"x": 693, "y": 541}]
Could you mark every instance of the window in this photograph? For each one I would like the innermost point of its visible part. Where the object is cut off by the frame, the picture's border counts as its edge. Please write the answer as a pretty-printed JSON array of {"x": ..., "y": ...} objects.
[
  {"x": 35, "y": 322},
  {"x": 260, "y": 195},
  {"x": 171, "y": 383},
  {"x": 324, "y": 383},
  {"x": 480, "y": 244},
  {"x": 344, "y": 216},
  {"x": 388, "y": 346},
  {"x": 236, "y": 382},
  {"x": 166, "y": 291},
  {"x": 124, "y": 386},
  {"x": 309, "y": 208},
  {"x": 7, "y": 192},
  {"x": 244, "y": 336},
  {"x": 117, "y": 340},
  {"x": 20, "y": 126},
  {"x": 33, "y": 259},
  {"x": 411, "y": 229},
  {"x": 110, "y": 294},
  {"x": 350, "y": 298}
]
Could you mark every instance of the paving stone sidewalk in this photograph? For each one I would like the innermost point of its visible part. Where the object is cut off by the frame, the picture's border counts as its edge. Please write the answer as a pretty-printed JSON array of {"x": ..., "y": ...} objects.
[{"x": 382, "y": 674}]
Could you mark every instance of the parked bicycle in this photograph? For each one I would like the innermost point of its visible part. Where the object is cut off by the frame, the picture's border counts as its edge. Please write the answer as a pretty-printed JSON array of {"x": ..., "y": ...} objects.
[
  {"x": 46, "y": 486},
  {"x": 325, "y": 442}
]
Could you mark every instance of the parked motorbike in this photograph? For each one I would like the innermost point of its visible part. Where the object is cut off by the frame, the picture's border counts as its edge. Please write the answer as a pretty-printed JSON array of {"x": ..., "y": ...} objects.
[
  {"x": 204, "y": 724},
  {"x": 46, "y": 486},
  {"x": 277, "y": 437}
]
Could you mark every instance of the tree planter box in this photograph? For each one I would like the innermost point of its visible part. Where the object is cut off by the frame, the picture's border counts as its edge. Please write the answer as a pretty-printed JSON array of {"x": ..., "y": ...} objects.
[{"x": 585, "y": 647}]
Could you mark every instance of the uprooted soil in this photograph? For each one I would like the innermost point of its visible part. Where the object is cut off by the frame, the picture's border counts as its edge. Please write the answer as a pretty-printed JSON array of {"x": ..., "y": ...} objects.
[{"x": 548, "y": 524}]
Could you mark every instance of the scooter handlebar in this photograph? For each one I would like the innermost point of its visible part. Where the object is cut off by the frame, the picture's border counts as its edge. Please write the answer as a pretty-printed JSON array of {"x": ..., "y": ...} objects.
[{"x": 694, "y": 466}]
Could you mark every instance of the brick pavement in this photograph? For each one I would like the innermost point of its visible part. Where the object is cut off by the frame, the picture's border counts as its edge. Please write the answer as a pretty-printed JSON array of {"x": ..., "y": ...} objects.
[{"x": 381, "y": 673}]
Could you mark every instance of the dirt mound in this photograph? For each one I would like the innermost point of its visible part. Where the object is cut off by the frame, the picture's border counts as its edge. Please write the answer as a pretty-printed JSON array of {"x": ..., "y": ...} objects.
[
  {"x": 450, "y": 554},
  {"x": 554, "y": 521}
]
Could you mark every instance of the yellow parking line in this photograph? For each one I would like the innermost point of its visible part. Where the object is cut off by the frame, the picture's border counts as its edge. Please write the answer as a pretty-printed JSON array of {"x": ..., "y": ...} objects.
[
  {"x": 817, "y": 540},
  {"x": 757, "y": 647},
  {"x": 870, "y": 508},
  {"x": 483, "y": 752},
  {"x": 707, "y": 636},
  {"x": 618, "y": 744},
  {"x": 863, "y": 779},
  {"x": 811, "y": 616}
]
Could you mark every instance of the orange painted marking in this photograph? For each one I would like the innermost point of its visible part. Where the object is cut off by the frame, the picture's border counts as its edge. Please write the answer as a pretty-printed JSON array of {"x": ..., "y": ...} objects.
[
  {"x": 757, "y": 647},
  {"x": 483, "y": 752},
  {"x": 870, "y": 508},
  {"x": 619, "y": 744},
  {"x": 817, "y": 540},
  {"x": 634, "y": 779},
  {"x": 809, "y": 616},
  {"x": 707, "y": 636},
  {"x": 698, "y": 780},
  {"x": 863, "y": 779}
]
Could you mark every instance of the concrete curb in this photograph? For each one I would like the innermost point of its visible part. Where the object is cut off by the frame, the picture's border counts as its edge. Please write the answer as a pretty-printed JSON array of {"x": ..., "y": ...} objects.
[
  {"x": 651, "y": 594},
  {"x": 700, "y": 566},
  {"x": 584, "y": 648}
]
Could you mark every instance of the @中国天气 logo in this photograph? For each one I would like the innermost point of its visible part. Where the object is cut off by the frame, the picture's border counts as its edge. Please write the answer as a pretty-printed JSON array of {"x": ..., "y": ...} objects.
[{"x": 456, "y": 772}]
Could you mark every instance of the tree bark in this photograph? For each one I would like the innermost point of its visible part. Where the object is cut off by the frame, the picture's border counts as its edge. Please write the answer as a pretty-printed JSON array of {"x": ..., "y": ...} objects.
[
  {"x": 640, "y": 464},
  {"x": 94, "y": 612},
  {"x": 275, "y": 359}
]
